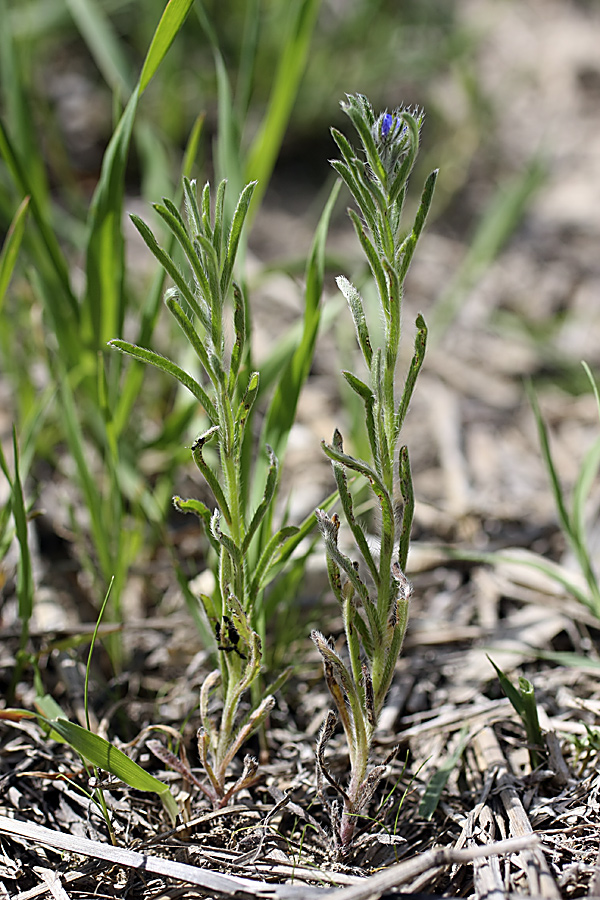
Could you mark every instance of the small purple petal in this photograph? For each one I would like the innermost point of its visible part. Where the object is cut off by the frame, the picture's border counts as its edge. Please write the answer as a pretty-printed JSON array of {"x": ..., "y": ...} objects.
[{"x": 386, "y": 124}]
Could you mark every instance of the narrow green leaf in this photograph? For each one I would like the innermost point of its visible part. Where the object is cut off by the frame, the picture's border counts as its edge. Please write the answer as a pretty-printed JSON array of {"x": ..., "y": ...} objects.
[
  {"x": 192, "y": 336},
  {"x": 571, "y": 528},
  {"x": 355, "y": 302},
  {"x": 586, "y": 478},
  {"x": 438, "y": 781},
  {"x": 25, "y": 574},
  {"x": 243, "y": 411},
  {"x": 65, "y": 305},
  {"x": 593, "y": 383},
  {"x": 348, "y": 507},
  {"x": 290, "y": 68},
  {"x": 235, "y": 233},
  {"x": 410, "y": 244},
  {"x": 190, "y": 196},
  {"x": 229, "y": 161},
  {"x": 165, "y": 365},
  {"x": 409, "y": 161},
  {"x": 19, "y": 511},
  {"x": 167, "y": 263},
  {"x": 86, "y": 686},
  {"x": 552, "y": 570},
  {"x": 531, "y": 720},
  {"x": 239, "y": 326},
  {"x": 10, "y": 247},
  {"x": 195, "y": 506},
  {"x": 211, "y": 479},
  {"x": 219, "y": 220},
  {"x": 178, "y": 228},
  {"x": 263, "y": 506},
  {"x": 263, "y": 567},
  {"x": 411, "y": 377},
  {"x": 102, "y": 535},
  {"x": 170, "y": 23},
  {"x": 106, "y": 756},
  {"x": 406, "y": 489},
  {"x": 173, "y": 210},
  {"x": 18, "y": 89},
  {"x": 351, "y": 173},
  {"x": 103, "y": 309},
  {"x": 557, "y": 489},
  {"x": 281, "y": 413},
  {"x": 565, "y": 658},
  {"x": 205, "y": 252},
  {"x": 509, "y": 689},
  {"x": 50, "y": 709},
  {"x": 329, "y": 533},
  {"x": 355, "y": 188},
  {"x": 359, "y": 387},
  {"x": 191, "y": 150},
  {"x": 226, "y": 541},
  {"x": 374, "y": 260},
  {"x": 379, "y": 488},
  {"x": 356, "y": 116}
]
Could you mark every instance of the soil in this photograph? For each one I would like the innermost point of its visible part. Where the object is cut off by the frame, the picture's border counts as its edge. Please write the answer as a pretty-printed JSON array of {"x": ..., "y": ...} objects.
[{"x": 532, "y": 313}]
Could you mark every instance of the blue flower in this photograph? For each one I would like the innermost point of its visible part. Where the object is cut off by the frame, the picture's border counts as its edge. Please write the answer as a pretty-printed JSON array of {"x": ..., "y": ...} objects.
[{"x": 386, "y": 124}]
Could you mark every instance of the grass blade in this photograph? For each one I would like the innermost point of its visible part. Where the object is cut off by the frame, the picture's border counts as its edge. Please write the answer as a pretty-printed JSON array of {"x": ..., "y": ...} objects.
[
  {"x": 19, "y": 511},
  {"x": 171, "y": 21},
  {"x": 103, "y": 309},
  {"x": 266, "y": 144},
  {"x": 96, "y": 750},
  {"x": 20, "y": 172},
  {"x": 10, "y": 248},
  {"x": 557, "y": 490},
  {"x": 509, "y": 689},
  {"x": 15, "y": 78},
  {"x": 89, "y": 486},
  {"x": 106, "y": 756},
  {"x": 438, "y": 781},
  {"x": 104, "y": 305},
  {"x": 282, "y": 410},
  {"x": 592, "y": 381},
  {"x": 103, "y": 44}
]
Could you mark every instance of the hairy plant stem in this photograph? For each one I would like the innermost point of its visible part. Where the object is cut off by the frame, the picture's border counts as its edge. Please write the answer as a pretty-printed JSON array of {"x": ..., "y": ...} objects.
[{"x": 374, "y": 604}]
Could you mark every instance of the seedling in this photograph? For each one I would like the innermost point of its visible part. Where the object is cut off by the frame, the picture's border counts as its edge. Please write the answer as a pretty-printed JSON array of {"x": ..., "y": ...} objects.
[
  {"x": 374, "y": 593},
  {"x": 523, "y": 701}
]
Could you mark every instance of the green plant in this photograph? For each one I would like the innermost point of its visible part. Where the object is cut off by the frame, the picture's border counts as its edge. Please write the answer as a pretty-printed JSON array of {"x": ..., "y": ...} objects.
[
  {"x": 25, "y": 587},
  {"x": 93, "y": 412},
  {"x": 374, "y": 600},
  {"x": 573, "y": 520},
  {"x": 586, "y": 746},
  {"x": 93, "y": 748},
  {"x": 524, "y": 703},
  {"x": 248, "y": 551}
]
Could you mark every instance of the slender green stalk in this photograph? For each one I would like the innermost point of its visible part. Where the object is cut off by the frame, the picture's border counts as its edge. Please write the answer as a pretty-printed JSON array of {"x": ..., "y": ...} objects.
[
  {"x": 375, "y": 595},
  {"x": 25, "y": 583},
  {"x": 572, "y": 521}
]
